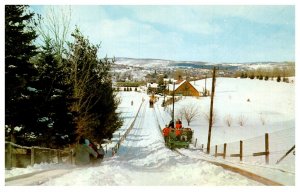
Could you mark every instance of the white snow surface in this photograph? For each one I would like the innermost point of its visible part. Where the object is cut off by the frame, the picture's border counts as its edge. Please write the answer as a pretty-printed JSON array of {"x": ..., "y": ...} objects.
[{"x": 143, "y": 159}]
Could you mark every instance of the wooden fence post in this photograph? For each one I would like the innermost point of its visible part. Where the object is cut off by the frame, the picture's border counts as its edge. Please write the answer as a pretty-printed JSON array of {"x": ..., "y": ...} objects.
[
  {"x": 216, "y": 150},
  {"x": 196, "y": 142},
  {"x": 241, "y": 150},
  {"x": 57, "y": 155},
  {"x": 70, "y": 157},
  {"x": 224, "y": 153},
  {"x": 106, "y": 149},
  {"x": 267, "y": 147},
  {"x": 60, "y": 157},
  {"x": 50, "y": 156},
  {"x": 32, "y": 156},
  {"x": 9, "y": 156}
]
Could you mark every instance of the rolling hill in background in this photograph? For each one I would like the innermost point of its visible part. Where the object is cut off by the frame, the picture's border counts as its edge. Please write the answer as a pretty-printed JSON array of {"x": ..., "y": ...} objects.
[{"x": 161, "y": 63}]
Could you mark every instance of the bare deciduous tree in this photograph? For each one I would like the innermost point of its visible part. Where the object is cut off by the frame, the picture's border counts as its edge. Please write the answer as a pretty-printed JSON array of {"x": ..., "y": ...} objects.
[
  {"x": 263, "y": 119},
  {"x": 214, "y": 117},
  {"x": 55, "y": 26},
  {"x": 189, "y": 112},
  {"x": 242, "y": 120},
  {"x": 228, "y": 120},
  {"x": 179, "y": 115}
]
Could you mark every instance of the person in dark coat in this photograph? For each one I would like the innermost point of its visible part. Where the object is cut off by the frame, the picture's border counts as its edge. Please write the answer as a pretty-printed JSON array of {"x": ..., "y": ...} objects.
[
  {"x": 82, "y": 153},
  {"x": 171, "y": 124}
]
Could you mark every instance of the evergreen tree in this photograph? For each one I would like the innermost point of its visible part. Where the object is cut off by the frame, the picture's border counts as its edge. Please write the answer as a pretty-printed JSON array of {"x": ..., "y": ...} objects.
[
  {"x": 108, "y": 120},
  {"x": 19, "y": 49},
  {"x": 94, "y": 101},
  {"x": 266, "y": 77},
  {"x": 53, "y": 122},
  {"x": 278, "y": 78}
]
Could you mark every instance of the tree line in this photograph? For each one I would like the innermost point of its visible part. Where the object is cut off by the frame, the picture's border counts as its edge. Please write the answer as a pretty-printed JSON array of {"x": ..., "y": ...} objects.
[
  {"x": 54, "y": 93},
  {"x": 275, "y": 73}
]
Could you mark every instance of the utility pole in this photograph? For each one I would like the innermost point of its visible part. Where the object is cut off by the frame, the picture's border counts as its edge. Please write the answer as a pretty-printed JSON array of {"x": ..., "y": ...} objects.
[
  {"x": 173, "y": 117},
  {"x": 211, "y": 109},
  {"x": 205, "y": 86},
  {"x": 165, "y": 88}
]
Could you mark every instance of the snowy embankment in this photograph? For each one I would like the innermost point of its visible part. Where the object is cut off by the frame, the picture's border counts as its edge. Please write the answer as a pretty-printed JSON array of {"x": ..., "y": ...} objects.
[
  {"x": 143, "y": 158},
  {"x": 127, "y": 113},
  {"x": 264, "y": 106}
]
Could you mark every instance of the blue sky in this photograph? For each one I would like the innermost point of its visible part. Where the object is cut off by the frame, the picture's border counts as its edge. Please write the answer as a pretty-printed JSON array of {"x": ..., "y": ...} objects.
[{"x": 215, "y": 33}]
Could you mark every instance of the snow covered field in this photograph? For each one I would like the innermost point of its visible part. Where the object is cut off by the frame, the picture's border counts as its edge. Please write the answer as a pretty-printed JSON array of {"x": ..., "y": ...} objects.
[
  {"x": 143, "y": 160},
  {"x": 266, "y": 106}
]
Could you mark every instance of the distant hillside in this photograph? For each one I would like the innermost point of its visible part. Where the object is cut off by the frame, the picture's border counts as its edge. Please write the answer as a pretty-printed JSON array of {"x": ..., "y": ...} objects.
[
  {"x": 142, "y": 62},
  {"x": 161, "y": 63}
]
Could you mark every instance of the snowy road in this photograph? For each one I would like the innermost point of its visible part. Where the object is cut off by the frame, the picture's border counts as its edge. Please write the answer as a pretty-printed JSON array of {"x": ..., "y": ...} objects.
[{"x": 143, "y": 160}]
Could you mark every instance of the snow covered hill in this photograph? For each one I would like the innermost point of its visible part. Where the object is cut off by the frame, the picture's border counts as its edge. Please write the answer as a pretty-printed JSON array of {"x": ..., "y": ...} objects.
[
  {"x": 162, "y": 63},
  {"x": 143, "y": 159},
  {"x": 143, "y": 62},
  {"x": 263, "y": 106}
]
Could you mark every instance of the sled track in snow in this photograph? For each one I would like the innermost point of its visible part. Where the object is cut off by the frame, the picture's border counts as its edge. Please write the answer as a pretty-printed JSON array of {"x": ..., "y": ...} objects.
[
  {"x": 36, "y": 178},
  {"x": 136, "y": 128},
  {"x": 240, "y": 171},
  {"x": 40, "y": 177}
]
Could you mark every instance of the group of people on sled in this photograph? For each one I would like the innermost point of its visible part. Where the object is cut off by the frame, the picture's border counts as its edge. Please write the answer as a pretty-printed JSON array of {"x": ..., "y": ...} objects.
[
  {"x": 178, "y": 129},
  {"x": 87, "y": 152}
]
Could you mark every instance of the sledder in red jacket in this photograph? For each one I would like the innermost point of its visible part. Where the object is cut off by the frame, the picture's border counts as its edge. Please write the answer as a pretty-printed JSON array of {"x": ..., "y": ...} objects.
[{"x": 166, "y": 132}]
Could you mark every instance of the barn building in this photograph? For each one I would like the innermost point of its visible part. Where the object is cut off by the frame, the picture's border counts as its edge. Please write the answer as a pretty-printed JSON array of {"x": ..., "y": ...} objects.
[{"x": 183, "y": 88}]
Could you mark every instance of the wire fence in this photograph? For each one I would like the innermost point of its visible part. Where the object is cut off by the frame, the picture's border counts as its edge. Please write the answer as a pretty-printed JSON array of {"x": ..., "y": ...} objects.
[
  {"x": 123, "y": 137},
  {"x": 271, "y": 149}
]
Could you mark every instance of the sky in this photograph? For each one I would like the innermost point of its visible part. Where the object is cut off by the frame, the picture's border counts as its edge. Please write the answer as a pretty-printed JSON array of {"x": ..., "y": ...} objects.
[{"x": 210, "y": 33}]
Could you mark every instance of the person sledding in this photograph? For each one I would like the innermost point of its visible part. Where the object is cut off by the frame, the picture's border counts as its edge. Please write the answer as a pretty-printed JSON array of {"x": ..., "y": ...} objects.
[
  {"x": 178, "y": 129},
  {"x": 82, "y": 153},
  {"x": 178, "y": 124},
  {"x": 98, "y": 149},
  {"x": 166, "y": 132}
]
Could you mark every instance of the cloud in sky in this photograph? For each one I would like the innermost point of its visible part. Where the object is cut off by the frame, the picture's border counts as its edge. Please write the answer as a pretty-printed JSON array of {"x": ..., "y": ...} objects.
[{"x": 204, "y": 33}]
